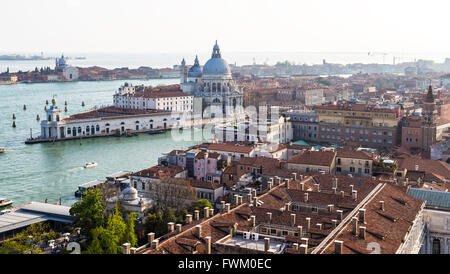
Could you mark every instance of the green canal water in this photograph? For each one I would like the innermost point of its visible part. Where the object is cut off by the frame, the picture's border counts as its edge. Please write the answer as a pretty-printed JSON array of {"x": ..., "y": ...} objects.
[{"x": 53, "y": 170}]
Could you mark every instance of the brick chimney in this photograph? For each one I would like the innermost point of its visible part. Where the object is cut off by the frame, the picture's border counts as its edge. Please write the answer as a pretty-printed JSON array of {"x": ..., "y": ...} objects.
[
  {"x": 266, "y": 244},
  {"x": 362, "y": 215},
  {"x": 222, "y": 205},
  {"x": 308, "y": 224},
  {"x": 255, "y": 202},
  {"x": 253, "y": 220},
  {"x": 287, "y": 183},
  {"x": 338, "y": 246},
  {"x": 295, "y": 246},
  {"x": 382, "y": 205},
  {"x": 293, "y": 219},
  {"x": 294, "y": 176},
  {"x": 126, "y": 248},
  {"x": 197, "y": 214},
  {"x": 236, "y": 199},
  {"x": 351, "y": 188},
  {"x": 342, "y": 194},
  {"x": 270, "y": 184},
  {"x": 249, "y": 197},
  {"x": 240, "y": 199},
  {"x": 362, "y": 232},
  {"x": 286, "y": 207},
  {"x": 334, "y": 190},
  {"x": 319, "y": 226},
  {"x": 304, "y": 241},
  {"x": 208, "y": 244},
  {"x": 150, "y": 238},
  {"x": 354, "y": 195},
  {"x": 254, "y": 193},
  {"x": 206, "y": 212},
  {"x": 355, "y": 226},
  {"x": 133, "y": 250},
  {"x": 306, "y": 197},
  {"x": 188, "y": 218},
  {"x": 302, "y": 186},
  {"x": 171, "y": 227},
  {"x": 198, "y": 231},
  {"x": 278, "y": 180},
  {"x": 178, "y": 226},
  {"x": 340, "y": 213}
]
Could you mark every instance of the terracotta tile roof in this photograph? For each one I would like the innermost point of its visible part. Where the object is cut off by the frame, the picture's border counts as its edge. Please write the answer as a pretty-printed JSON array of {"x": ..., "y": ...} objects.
[
  {"x": 113, "y": 112},
  {"x": 317, "y": 158},
  {"x": 346, "y": 153},
  {"x": 231, "y": 147},
  {"x": 204, "y": 184},
  {"x": 387, "y": 228},
  {"x": 159, "y": 171},
  {"x": 435, "y": 167}
]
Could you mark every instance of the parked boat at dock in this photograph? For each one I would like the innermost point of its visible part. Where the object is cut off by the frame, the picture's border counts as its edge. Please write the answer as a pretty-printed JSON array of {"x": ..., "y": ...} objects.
[
  {"x": 87, "y": 186},
  {"x": 5, "y": 203}
]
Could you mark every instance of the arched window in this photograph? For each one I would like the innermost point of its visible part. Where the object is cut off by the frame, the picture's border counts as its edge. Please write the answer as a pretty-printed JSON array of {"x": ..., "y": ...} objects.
[
  {"x": 74, "y": 131},
  {"x": 57, "y": 118},
  {"x": 79, "y": 129},
  {"x": 151, "y": 121},
  {"x": 218, "y": 87},
  {"x": 107, "y": 125},
  {"x": 49, "y": 118},
  {"x": 137, "y": 122},
  {"x": 97, "y": 128},
  {"x": 214, "y": 87}
]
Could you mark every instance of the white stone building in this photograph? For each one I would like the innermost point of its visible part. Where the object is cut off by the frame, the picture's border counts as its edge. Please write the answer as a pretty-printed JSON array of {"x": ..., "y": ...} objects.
[
  {"x": 105, "y": 121},
  {"x": 214, "y": 84},
  {"x": 127, "y": 97}
]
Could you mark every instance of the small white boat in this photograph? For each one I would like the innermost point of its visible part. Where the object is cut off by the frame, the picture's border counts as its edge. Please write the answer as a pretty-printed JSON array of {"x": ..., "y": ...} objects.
[
  {"x": 2, "y": 150},
  {"x": 90, "y": 164},
  {"x": 4, "y": 202}
]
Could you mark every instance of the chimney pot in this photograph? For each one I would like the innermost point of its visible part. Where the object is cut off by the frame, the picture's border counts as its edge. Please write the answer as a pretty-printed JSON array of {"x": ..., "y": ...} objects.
[
  {"x": 293, "y": 219},
  {"x": 308, "y": 223},
  {"x": 227, "y": 206},
  {"x": 362, "y": 215},
  {"x": 319, "y": 226},
  {"x": 178, "y": 228},
  {"x": 303, "y": 249},
  {"x": 330, "y": 208},
  {"x": 270, "y": 184},
  {"x": 295, "y": 246},
  {"x": 249, "y": 197},
  {"x": 236, "y": 199},
  {"x": 335, "y": 182},
  {"x": 362, "y": 232},
  {"x": 304, "y": 241},
  {"x": 126, "y": 248},
  {"x": 338, "y": 246},
  {"x": 198, "y": 231},
  {"x": 188, "y": 218},
  {"x": 222, "y": 204},
  {"x": 354, "y": 195},
  {"x": 133, "y": 250},
  {"x": 240, "y": 199},
  {"x": 197, "y": 214},
  {"x": 150, "y": 237},
  {"x": 208, "y": 244},
  {"x": 269, "y": 215},
  {"x": 334, "y": 223},
  {"x": 351, "y": 188},
  {"x": 300, "y": 231},
  {"x": 302, "y": 186},
  {"x": 253, "y": 220},
  {"x": 342, "y": 194},
  {"x": 155, "y": 244},
  {"x": 334, "y": 190},
  {"x": 382, "y": 205},
  {"x": 206, "y": 212},
  {"x": 317, "y": 187},
  {"x": 266, "y": 244},
  {"x": 170, "y": 226},
  {"x": 294, "y": 175},
  {"x": 286, "y": 207},
  {"x": 306, "y": 197},
  {"x": 355, "y": 226},
  {"x": 340, "y": 213},
  {"x": 287, "y": 183}
]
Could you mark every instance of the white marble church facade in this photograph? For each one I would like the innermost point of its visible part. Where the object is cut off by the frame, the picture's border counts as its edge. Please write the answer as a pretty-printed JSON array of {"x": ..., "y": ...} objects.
[{"x": 214, "y": 84}]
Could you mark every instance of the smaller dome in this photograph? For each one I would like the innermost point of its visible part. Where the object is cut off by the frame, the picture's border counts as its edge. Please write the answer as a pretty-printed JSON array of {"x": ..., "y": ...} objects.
[
  {"x": 195, "y": 71},
  {"x": 130, "y": 194}
]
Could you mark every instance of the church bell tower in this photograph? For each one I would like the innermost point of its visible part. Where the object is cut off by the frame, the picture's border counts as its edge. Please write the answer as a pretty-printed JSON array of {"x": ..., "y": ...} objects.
[{"x": 429, "y": 117}]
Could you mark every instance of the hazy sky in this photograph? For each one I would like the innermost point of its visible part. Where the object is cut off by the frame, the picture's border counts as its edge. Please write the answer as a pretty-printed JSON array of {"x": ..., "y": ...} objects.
[{"x": 239, "y": 25}]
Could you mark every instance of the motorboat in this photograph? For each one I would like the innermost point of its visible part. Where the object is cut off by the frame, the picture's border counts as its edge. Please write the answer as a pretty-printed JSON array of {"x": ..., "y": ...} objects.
[
  {"x": 90, "y": 165},
  {"x": 2, "y": 150},
  {"x": 5, "y": 203}
]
